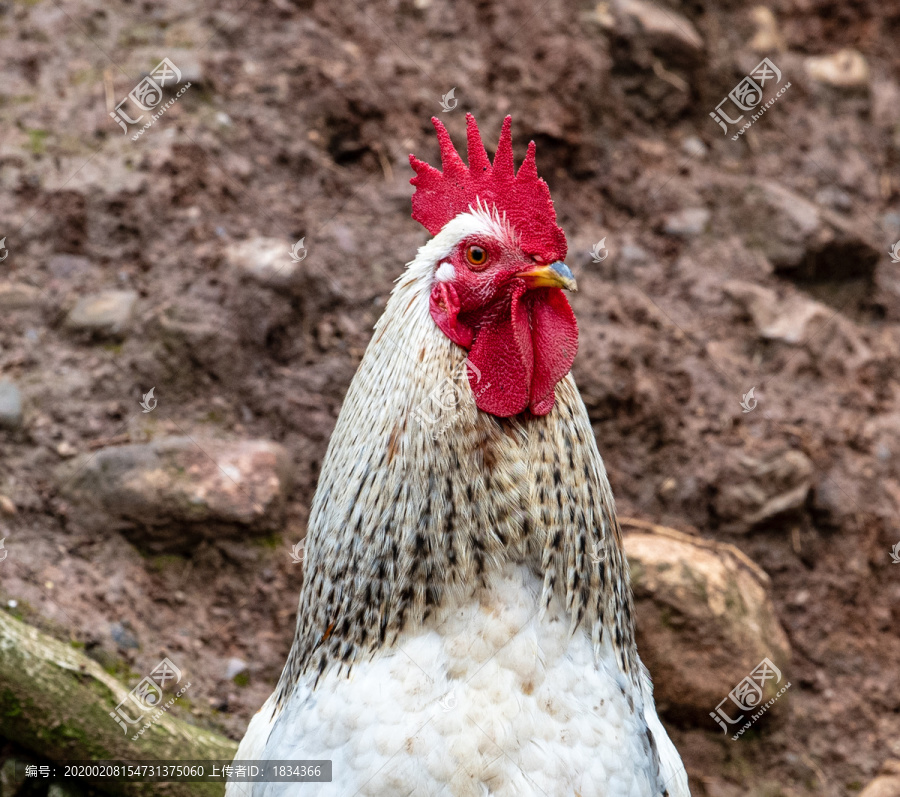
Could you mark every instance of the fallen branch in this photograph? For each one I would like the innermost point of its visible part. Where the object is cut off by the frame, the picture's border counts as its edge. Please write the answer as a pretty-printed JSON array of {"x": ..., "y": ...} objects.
[{"x": 56, "y": 702}]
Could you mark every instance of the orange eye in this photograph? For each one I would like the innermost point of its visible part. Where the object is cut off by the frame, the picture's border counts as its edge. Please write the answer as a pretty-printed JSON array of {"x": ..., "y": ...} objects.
[{"x": 476, "y": 256}]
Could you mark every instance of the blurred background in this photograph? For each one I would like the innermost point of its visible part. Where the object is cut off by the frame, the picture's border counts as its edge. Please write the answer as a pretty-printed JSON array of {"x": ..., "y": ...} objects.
[{"x": 183, "y": 305}]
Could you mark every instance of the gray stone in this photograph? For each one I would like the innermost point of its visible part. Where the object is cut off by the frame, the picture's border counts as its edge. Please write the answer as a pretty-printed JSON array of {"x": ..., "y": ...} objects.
[
  {"x": 64, "y": 790},
  {"x": 694, "y": 147},
  {"x": 267, "y": 261},
  {"x": 12, "y": 782},
  {"x": 757, "y": 490},
  {"x": 796, "y": 319},
  {"x": 234, "y": 667},
  {"x": 123, "y": 636},
  {"x": 633, "y": 254},
  {"x": 833, "y": 197},
  {"x": 189, "y": 64},
  {"x": 687, "y": 222},
  {"x": 10, "y": 405},
  {"x": 890, "y": 221},
  {"x": 169, "y": 494},
  {"x": 802, "y": 240},
  {"x": 663, "y": 30},
  {"x": 68, "y": 266},
  {"x": 105, "y": 314},
  {"x": 17, "y": 296}
]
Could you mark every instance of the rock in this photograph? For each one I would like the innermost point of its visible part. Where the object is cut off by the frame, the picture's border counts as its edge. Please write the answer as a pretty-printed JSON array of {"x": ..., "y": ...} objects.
[
  {"x": 123, "y": 636},
  {"x": 105, "y": 314},
  {"x": 890, "y": 221},
  {"x": 846, "y": 69},
  {"x": 17, "y": 296},
  {"x": 802, "y": 241},
  {"x": 632, "y": 254},
  {"x": 234, "y": 667},
  {"x": 787, "y": 320},
  {"x": 686, "y": 223},
  {"x": 705, "y": 620},
  {"x": 268, "y": 261},
  {"x": 758, "y": 490},
  {"x": 887, "y": 783},
  {"x": 796, "y": 320},
  {"x": 665, "y": 31},
  {"x": 169, "y": 494},
  {"x": 196, "y": 332},
  {"x": 10, "y": 405},
  {"x": 13, "y": 782},
  {"x": 833, "y": 197},
  {"x": 68, "y": 266},
  {"x": 65, "y": 450},
  {"x": 8, "y": 782},
  {"x": 189, "y": 64},
  {"x": 768, "y": 38},
  {"x": 64, "y": 790},
  {"x": 694, "y": 147}
]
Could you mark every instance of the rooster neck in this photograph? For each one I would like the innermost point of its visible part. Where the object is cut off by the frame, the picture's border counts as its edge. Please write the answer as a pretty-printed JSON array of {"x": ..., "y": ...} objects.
[{"x": 422, "y": 497}]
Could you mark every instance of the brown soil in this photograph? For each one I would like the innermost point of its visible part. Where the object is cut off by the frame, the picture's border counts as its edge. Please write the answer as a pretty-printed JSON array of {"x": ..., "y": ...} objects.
[{"x": 300, "y": 125}]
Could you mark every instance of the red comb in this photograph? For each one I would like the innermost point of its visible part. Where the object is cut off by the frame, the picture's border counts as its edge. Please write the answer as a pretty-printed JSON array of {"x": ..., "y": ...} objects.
[{"x": 523, "y": 197}]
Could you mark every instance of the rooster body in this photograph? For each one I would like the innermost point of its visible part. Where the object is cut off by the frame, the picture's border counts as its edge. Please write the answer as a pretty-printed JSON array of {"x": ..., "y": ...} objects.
[{"x": 465, "y": 623}]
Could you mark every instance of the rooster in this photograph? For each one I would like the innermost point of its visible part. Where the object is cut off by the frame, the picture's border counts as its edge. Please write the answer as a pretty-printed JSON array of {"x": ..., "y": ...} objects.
[{"x": 466, "y": 624}]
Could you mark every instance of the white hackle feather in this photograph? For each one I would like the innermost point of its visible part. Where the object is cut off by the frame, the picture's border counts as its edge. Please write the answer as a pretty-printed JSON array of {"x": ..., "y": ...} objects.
[{"x": 449, "y": 553}]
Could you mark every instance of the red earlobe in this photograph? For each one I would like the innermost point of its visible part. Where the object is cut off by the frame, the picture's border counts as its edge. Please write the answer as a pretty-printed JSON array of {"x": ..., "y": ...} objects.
[{"x": 444, "y": 306}]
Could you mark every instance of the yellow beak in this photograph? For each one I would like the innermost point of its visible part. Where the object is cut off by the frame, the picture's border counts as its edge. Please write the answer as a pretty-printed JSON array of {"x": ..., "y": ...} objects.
[{"x": 556, "y": 275}]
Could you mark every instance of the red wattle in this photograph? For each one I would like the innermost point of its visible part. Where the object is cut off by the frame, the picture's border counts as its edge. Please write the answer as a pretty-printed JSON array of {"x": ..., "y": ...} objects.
[
  {"x": 518, "y": 358},
  {"x": 554, "y": 332},
  {"x": 503, "y": 355}
]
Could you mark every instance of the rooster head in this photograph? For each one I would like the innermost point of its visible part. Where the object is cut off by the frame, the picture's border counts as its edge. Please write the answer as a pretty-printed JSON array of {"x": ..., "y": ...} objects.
[{"x": 497, "y": 285}]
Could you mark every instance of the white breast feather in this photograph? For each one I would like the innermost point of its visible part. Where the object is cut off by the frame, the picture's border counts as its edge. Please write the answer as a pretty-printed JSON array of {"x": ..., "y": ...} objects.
[{"x": 532, "y": 714}]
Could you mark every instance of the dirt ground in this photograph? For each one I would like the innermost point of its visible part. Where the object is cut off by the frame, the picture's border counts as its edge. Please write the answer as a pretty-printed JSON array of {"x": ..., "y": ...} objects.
[{"x": 297, "y": 124}]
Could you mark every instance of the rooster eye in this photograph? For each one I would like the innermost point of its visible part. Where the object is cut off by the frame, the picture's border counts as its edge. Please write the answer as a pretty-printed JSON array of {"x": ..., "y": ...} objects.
[{"x": 476, "y": 256}]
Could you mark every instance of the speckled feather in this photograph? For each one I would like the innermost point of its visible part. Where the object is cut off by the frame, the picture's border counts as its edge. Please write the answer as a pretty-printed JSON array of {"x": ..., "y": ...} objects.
[{"x": 452, "y": 552}]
